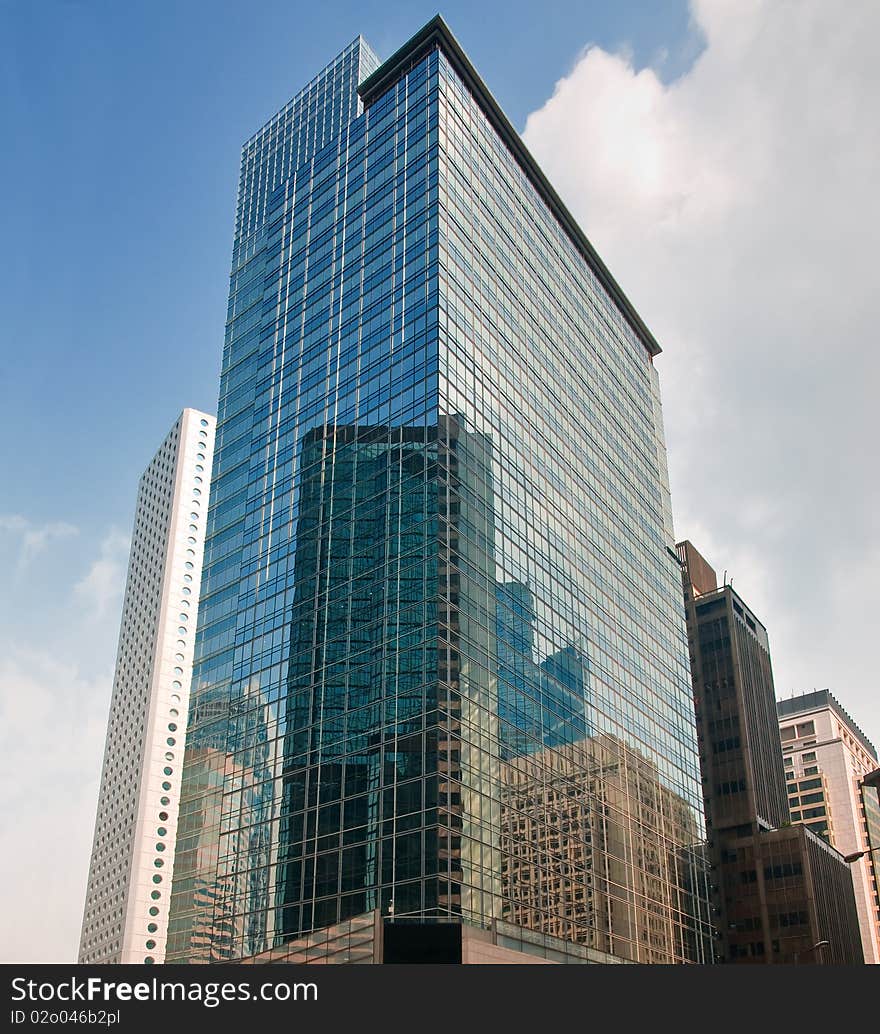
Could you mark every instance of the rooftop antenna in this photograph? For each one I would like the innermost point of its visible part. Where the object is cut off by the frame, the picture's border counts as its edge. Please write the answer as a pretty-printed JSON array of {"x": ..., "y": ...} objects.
[{"x": 724, "y": 578}]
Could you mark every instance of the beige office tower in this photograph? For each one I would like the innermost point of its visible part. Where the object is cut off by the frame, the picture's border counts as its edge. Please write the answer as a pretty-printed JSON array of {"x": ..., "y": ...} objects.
[
  {"x": 826, "y": 756},
  {"x": 126, "y": 909}
]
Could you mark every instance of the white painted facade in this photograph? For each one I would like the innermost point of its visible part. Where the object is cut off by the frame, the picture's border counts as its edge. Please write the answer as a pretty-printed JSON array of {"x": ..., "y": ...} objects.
[
  {"x": 129, "y": 887},
  {"x": 823, "y": 738}
]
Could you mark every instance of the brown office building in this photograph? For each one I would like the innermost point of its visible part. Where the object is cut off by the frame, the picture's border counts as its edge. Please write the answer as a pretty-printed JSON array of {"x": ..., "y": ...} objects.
[{"x": 781, "y": 894}]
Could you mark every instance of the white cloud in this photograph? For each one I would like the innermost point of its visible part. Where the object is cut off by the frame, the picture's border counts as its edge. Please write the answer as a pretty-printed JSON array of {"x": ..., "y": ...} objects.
[
  {"x": 32, "y": 539},
  {"x": 55, "y": 682},
  {"x": 737, "y": 208},
  {"x": 101, "y": 587},
  {"x": 52, "y": 727}
]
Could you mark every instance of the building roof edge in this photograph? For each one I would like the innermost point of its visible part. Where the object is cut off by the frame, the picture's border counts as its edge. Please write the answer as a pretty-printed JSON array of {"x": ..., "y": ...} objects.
[{"x": 438, "y": 34}]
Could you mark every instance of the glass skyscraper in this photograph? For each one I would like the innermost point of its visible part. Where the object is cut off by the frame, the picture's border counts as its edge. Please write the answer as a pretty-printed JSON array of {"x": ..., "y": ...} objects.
[{"x": 441, "y": 667}]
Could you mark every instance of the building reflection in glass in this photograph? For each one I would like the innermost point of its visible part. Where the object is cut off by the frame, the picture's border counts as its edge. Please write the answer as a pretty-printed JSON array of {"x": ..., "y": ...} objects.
[
  {"x": 384, "y": 796},
  {"x": 223, "y": 869},
  {"x": 539, "y": 704},
  {"x": 432, "y": 766},
  {"x": 361, "y": 688},
  {"x": 439, "y": 545},
  {"x": 597, "y": 851}
]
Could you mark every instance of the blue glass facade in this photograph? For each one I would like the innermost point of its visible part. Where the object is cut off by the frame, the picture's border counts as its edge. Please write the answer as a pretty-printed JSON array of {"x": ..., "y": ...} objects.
[{"x": 441, "y": 665}]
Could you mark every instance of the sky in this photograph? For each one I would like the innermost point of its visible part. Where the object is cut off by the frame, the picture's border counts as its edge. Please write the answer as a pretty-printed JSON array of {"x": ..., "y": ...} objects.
[{"x": 722, "y": 156}]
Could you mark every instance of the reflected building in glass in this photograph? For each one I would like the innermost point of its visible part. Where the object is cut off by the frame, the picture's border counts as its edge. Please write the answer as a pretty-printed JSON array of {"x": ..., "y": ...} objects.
[{"x": 442, "y": 701}]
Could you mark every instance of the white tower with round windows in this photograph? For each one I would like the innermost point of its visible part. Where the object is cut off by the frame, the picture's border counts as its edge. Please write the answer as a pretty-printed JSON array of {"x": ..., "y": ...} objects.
[{"x": 126, "y": 910}]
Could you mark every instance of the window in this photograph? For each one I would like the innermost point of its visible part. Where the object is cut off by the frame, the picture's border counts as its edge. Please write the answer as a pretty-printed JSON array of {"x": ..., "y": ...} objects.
[
  {"x": 809, "y": 756},
  {"x": 806, "y": 729},
  {"x": 783, "y": 870},
  {"x": 787, "y": 733}
]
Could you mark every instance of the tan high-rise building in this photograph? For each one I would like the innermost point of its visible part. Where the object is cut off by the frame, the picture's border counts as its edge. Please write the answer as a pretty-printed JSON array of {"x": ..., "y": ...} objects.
[{"x": 826, "y": 756}]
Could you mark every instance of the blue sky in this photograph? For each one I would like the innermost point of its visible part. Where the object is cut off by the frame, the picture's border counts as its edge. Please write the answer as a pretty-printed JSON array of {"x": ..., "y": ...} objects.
[
  {"x": 120, "y": 192},
  {"x": 721, "y": 157}
]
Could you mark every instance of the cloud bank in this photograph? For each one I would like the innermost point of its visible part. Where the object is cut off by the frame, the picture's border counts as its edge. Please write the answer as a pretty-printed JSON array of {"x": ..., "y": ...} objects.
[
  {"x": 737, "y": 208},
  {"x": 57, "y": 633},
  {"x": 31, "y": 539},
  {"x": 101, "y": 587}
]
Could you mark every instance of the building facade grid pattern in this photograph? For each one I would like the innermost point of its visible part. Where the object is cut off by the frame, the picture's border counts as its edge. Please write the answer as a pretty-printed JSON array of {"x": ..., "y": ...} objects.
[
  {"x": 428, "y": 395},
  {"x": 126, "y": 910}
]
